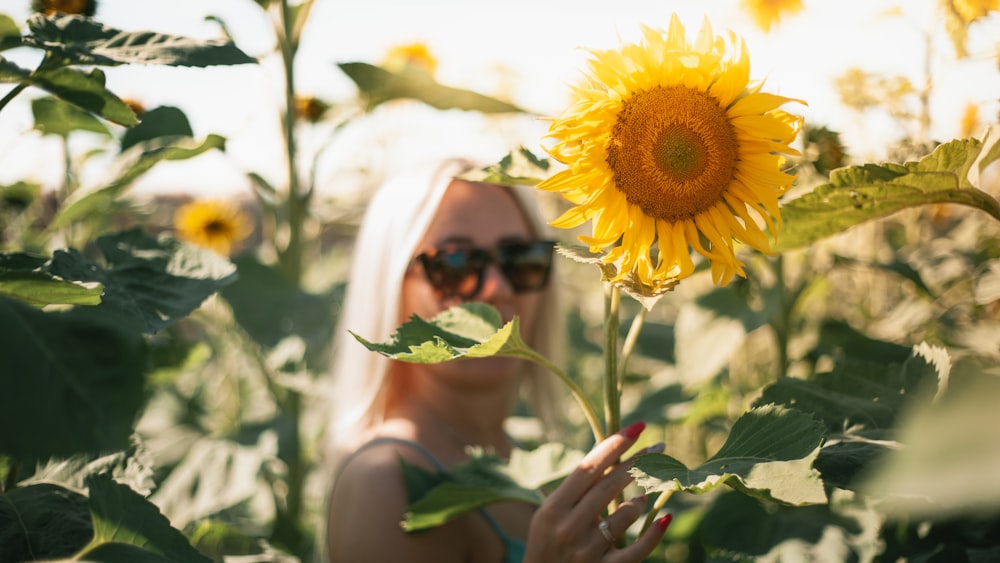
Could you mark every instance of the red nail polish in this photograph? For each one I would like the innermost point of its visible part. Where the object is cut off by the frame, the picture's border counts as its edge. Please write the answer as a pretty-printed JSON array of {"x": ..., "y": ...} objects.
[
  {"x": 634, "y": 430},
  {"x": 664, "y": 522}
]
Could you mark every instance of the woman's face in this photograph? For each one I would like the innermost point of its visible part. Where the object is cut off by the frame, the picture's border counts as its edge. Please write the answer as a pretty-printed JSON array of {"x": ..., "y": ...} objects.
[{"x": 472, "y": 215}]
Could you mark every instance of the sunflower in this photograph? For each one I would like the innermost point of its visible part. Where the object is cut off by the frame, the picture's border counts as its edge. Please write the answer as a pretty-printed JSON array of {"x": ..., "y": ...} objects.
[
  {"x": 410, "y": 56},
  {"x": 972, "y": 10},
  {"x": 768, "y": 12},
  {"x": 80, "y": 7},
  {"x": 669, "y": 147},
  {"x": 214, "y": 224}
]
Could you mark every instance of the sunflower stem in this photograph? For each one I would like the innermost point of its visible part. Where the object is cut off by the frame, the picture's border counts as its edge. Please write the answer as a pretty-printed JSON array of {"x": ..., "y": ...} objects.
[
  {"x": 658, "y": 505},
  {"x": 588, "y": 411},
  {"x": 612, "y": 378},
  {"x": 628, "y": 346},
  {"x": 12, "y": 94},
  {"x": 781, "y": 324}
]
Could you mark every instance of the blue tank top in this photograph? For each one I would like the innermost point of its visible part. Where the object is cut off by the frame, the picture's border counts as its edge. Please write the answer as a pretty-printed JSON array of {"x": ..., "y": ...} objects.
[{"x": 513, "y": 548}]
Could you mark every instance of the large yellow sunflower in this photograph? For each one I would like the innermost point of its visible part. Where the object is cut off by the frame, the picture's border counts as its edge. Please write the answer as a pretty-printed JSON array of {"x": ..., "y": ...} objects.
[
  {"x": 214, "y": 224},
  {"x": 972, "y": 10},
  {"x": 670, "y": 147}
]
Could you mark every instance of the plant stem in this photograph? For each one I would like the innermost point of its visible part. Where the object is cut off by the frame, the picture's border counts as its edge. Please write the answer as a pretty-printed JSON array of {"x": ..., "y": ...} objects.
[
  {"x": 575, "y": 390},
  {"x": 658, "y": 504},
  {"x": 12, "y": 94},
  {"x": 629, "y": 345},
  {"x": 295, "y": 204},
  {"x": 612, "y": 378},
  {"x": 781, "y": 324}
]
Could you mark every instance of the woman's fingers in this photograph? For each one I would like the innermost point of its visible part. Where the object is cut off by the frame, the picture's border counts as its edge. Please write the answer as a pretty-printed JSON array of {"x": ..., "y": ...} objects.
[
  {"x": 617, "y": 523},
  {"x": 643, "y": 546},
  {"x": 594, "y": 464}
]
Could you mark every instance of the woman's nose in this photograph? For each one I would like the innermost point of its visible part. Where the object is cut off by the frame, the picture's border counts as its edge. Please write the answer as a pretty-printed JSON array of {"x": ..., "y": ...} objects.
[{"x": 495, "y": 284}]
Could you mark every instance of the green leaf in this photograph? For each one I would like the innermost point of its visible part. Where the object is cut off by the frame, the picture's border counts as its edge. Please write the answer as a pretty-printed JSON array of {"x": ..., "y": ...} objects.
[
  {"x": 518, "y": 168},
  {"x": 122, "y": 516},
  {"x": 379, "y": 85},
  {"x": 218, "y": 539},
  {"x": 10, "y": 72},
  {"x": 470, "y": 330},
  {"x": 139, "y": 160},
  {"x": 122, "y": 553},
  {"x": 10, "y": 33},
  {"x": 19, "y": 196},
  {"x": 84, "y": 41},
  {"x": 862, "y": 193},
  {"x": 43, "y": 522},
  {"x": 479, "y": 482},
  {"x": 54, "y": 116},
  {"x": 768, "y": 454},
  {"x": 73, "y": 381},
  {"x": 86, "y": 90},
  {"x": 947, "y": 465},
  {"x": 270, "y": 308},
  {"x": 861, "y": 394},
  {"x": 39, "y": 289},
  {"x": 162, "y": 121},
  {"x": 153, "y": 281}
]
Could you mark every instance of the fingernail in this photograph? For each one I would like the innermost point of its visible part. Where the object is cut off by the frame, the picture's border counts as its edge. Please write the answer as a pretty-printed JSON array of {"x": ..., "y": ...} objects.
[
  {"x": 633, "y": 431},
  {"x": 662, "y": 523},
  {"x": 654, "y": 449}
]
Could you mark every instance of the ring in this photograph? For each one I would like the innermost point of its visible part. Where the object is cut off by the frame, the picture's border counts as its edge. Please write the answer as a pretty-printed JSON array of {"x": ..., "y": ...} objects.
[{"x": 606, "y": 531}]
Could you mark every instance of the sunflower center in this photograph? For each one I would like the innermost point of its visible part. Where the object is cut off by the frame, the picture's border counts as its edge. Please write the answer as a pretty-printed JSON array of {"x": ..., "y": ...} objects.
[
  {"x": 672, "y": 151},
  {"x": 216, "y": 227}
]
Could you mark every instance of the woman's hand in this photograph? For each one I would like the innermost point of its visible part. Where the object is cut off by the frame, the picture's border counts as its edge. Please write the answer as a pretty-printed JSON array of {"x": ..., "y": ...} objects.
[{"x": 567, "y": 526}]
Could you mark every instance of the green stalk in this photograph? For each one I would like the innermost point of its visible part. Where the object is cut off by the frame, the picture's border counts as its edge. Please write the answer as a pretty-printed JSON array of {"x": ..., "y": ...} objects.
[
  {"x": 781, "y": 324},
  {"x": 575, "y": 390},
  {"x": 658, "y": 505},
  {"x": 629, "y": 346},
  {"x": 612, "y": 378},
  {"x": 295, "y": 204},
  {"x": 12, "y": 94}
]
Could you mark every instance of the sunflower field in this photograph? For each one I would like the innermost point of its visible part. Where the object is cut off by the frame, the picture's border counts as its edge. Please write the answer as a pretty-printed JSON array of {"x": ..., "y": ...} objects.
[{"x": 814, "y": 333}]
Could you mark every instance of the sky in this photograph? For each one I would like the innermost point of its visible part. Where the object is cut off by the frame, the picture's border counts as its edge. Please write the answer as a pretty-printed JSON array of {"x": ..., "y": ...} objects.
[{"x": 530, "y": 50}]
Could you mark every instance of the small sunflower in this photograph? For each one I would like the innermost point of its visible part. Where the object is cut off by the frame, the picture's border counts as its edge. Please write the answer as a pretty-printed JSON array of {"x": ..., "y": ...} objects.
[
  {"x": 670, "y": 147},
  {"x": 410, "y": 56},
  {"x": 214, "y": 224},
  {"x": 970, "y": 121},
  {"x": 767, "y": 13},
  {"x": 79, "y": 7},
  {"x": 972, "y": 10}
]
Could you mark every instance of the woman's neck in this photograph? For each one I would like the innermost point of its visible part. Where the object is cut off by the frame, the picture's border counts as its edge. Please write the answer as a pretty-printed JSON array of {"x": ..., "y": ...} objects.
[{"x": 451, "y": 415}]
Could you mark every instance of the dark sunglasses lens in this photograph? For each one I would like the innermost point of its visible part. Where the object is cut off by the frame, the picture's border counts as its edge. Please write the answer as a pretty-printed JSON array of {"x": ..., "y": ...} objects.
[
  {"x": 457, "y": 272},
  {"x": 526, "y": 265}
]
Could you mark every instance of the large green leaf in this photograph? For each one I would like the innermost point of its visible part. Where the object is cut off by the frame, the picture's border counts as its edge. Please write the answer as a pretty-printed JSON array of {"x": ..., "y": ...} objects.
[
  {"x": 72, "y": 381},
  {"x": 769, "y": 454},
  {"x": 39, "y": 289},
  {"x": 138, "y": 160},
  {"x": 479, "y": 482},
  {"x": 22, "y": 276},
  {"x": 10, "y": 33},
  {"x": 947, "y": 466},
  {"x": 54, "y": 116},
  {"x": 861, "y": 193},
  {"x": 85, "y": 89},
  {"x": 470, "y": 330},
  {"x": 860, "y": 394},
  {"x": 122, "y": 516},
  {"x": 42, "y": 522},
  {"x": 379, "y": 85},
  {"x": 162, "y": 121},
  {"x": 270, "y": 308},
  {"x": 10, "y": 72},
  {"x": 81, "y": 40},
  {"x": 152, "y": 281}
]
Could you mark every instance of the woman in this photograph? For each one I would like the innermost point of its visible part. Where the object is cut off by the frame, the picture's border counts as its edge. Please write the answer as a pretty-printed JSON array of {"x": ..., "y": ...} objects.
[{"x": 426, "y": 245}]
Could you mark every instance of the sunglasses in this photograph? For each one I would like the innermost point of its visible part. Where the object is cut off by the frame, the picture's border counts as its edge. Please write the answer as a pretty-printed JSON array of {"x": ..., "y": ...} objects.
[{"x": 458, "y": 271}]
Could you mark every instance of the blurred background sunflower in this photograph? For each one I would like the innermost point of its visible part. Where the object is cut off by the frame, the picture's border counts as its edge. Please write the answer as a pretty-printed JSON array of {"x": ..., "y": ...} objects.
[{"x": 214, "y": 224}]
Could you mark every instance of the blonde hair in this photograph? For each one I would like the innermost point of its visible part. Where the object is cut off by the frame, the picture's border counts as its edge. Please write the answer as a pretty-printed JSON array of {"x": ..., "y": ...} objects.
[{"x": 394, "y": 224}]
